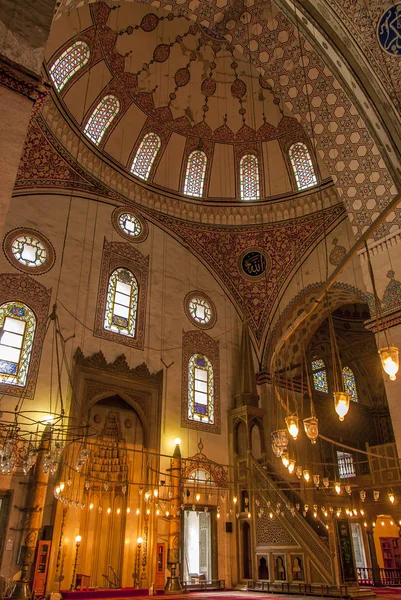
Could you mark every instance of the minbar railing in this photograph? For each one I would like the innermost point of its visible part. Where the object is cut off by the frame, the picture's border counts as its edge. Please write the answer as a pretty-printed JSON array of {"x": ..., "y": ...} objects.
[{"x": 387, "y": 576}]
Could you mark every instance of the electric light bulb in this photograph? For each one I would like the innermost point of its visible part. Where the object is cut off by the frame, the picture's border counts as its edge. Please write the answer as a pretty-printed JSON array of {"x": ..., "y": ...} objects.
[
  {"x": 285, "y": 459},
  {"x": 249, "y": 515},
  {"x": 382, "y": 523},
  {"x": 306, "y": 475},
  {"x": 118, "y": 511},
  {"x": 167, "y": 513},
  {"x": 78, "y": 539},
  {"x": 139, "y": 540},
  {"x": 137, "y": 511},
  {"x": 157, "y": 512},
  {"x": 197, "y": 497},
  {"x": 391, "y": 497},
  {"x": 177, "y": 441},
  {"x": 337, "y": 487},
  {"x": 235, "y": 500},
  {"x": 91, "y": 506},
  {"x": 341, "y": 404},
  {"x": 390, "y": 361},
  {"x": 109, "y": 510},
  {"x": 128, "y": 510},
  {"x": 271, "y": 515},
  {"x": 148, "y": 511},
  {"x": 62, "y": 486},
  {"x": 291, "y": 466},
  {"x": 362, "y": 512},
  {"x": 365, "y": 524},
  {"x": 155, "y": 493},
  {"x": 218, "y": 515},
  {"x": 292, "y": 423}
]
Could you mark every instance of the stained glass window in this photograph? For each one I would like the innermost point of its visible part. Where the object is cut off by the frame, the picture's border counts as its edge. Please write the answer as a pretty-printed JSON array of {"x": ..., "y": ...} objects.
[
  {"x": 319, "y": 376},
  {"x": 122, "y": 303},
  {"x": 200, "y": 389},
  {"x": 18, "y": 325},
  {"x": 346, "y": 467},
  {"x": 145, "y": 156},
  {"x": 200, "y": 310},
  {"x": 195, "y": 175},
  {"x": 68, "y": 63},
  {"x": 302, "y": 166},
  {"x": 101, "y": 118},
  {"x": 130, "y": 224},
  {"x": 349, "y": 383},
  {"x": 29, "y": 251},
  {"x": 249, "y": 177}
]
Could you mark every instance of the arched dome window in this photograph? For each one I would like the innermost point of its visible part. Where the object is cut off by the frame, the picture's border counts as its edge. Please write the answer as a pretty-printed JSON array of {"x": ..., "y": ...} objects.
[
  {"x": 101, "y": 118},
  {"x": 249, "y": 177},
  {"x": 195, "y": 174},
  {"x": 145, "y": 156},
  {"x": 302, "y": 166},
  {"x": 18, "y": 324},
  {"x": 319, "y": 375},
  {"x": 68, "y": 63},
  {"x": 350, "y": 383},
  {"x": 121, "y": 303},
  {"x": 200, "y": 389}
]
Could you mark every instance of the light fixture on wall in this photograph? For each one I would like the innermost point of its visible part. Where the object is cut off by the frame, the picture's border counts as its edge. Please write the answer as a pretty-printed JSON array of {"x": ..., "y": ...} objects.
[{"x": 389, "y": 354}]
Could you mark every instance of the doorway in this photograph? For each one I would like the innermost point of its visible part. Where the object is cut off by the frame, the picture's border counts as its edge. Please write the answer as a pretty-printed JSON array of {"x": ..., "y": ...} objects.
[{"x": 198, "y": 546}]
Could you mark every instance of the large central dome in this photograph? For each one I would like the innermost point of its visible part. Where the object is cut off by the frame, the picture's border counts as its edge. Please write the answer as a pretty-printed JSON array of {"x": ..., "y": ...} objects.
[{"x": 183, "y": 81}]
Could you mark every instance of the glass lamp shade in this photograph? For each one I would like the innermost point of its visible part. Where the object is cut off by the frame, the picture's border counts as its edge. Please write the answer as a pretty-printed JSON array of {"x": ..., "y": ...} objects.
[
  {"x": 311, "y": 426},
  {"x": 306, "y": 474},
  {"x": 298, "y": 471},
  {"x": 291, "y": 466},
  {"x": 341, "y": 403},
  {"x": 390, "y": 361},
  {"x": 279, "y": 440},
  {"x": 285, "y": 459},
  {"x": 292, "y": 423}
]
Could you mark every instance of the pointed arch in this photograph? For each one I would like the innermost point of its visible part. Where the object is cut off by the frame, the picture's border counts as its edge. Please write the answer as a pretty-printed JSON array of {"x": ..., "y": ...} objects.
[
  {"x": 350, "y": 383},
  {"x": 195, "y": 174},
  {"x": 68, "y": 63},
  {"x": 249, "y": 177},
  {"x": 101, "y": 118},
  {"x": 200, "y": 389},
  {"x": 302, "y": 166},
  {"x": 122, "y": 303},
  {"x": 145, "y": 156}
]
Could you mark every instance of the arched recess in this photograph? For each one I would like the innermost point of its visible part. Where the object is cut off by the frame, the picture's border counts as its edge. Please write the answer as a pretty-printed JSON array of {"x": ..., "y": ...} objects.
[
  {"x": 257, "y": 438},
  {"x": 240, "y": 438},
  {"x": 338, "y": 294}
]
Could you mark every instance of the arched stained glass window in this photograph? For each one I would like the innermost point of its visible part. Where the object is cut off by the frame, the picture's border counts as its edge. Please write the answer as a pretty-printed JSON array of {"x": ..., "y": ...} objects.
[
  {"x": 302, "y": 166},
  {"x": 349, "y": 383},
  {"x": 200, "y": 389},
  {"x": 68, "y": 63},
  {"x": 319, "y": 375},
  {"x": 101, "y": 118},
  {"x": 195, "y": 175},
  {"x": 121, "y": 303},
  {"x": 18, "y": 324},
  {"x": 145, "y": 156},
  {"x": 249, "y": 177}
]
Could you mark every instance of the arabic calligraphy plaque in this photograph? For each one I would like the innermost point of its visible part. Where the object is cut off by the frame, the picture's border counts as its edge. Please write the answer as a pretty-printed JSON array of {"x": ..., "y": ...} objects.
[
  {"x": 254, "y": 263},
  {"x": 389, "y": 30}
]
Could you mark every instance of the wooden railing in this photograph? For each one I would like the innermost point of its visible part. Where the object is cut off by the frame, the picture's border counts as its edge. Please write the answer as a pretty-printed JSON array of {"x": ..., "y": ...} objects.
[{"x": 387, "y": 576}]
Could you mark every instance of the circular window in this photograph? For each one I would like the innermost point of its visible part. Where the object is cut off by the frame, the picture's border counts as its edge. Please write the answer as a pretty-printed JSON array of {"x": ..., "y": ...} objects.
[
  {"x": 200, "y": 309},
  {"x": 29, "y": 251},
  {"x": 130, "y": 224}
]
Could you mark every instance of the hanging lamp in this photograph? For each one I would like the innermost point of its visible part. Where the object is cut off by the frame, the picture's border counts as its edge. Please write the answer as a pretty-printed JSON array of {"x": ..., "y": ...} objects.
[{"x": 341, "y": 397}]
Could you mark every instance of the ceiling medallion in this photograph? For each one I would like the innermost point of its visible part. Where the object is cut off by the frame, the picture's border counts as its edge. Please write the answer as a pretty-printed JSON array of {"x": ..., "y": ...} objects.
[
  {"x": 254, "y": 263},
  {"x": 389, "y": 30}
]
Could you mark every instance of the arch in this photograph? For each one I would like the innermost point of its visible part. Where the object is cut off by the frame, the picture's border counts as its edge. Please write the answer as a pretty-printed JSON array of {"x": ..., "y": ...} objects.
[
  {"x": 249, "y": 178},
  {"x": 195, "y": 173},
  {"x": 18, "y": 324},
  {"x": 145, "y": 155},
  {"x": 200, "y": 389},
  {"x": 256, "y": 436},
  {"x": 302, "y": 166},
  {"x": 122, "y": 303},
  {"x": 101, "y": 118},
  {"x": 68, "y": 63},
  {"x": 240, "y": 438},
  {"x": 246, "y": 551},
  {"x": 263, "y": 570},
  {"x": 350, "y": 383}
]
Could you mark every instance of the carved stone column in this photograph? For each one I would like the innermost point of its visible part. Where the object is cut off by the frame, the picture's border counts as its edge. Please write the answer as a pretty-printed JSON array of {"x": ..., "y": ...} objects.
[{"x": 373, "y": 557}]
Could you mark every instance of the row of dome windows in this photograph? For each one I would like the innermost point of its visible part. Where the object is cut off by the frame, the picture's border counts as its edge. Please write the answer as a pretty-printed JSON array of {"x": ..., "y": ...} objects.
[{"x": 78, "y": 54}]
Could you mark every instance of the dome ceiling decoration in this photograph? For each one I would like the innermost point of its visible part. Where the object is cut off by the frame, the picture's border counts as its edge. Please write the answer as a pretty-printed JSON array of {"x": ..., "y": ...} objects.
[{"x": 301, "y": 78}]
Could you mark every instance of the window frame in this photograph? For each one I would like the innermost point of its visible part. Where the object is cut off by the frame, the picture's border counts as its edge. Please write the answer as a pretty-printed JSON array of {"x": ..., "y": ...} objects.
[
  {"x": 75, "y": 70},
  {"x": 202, "y": 296},
  {"x": 114, "y": 280},
  {"x": 295, "y": 171},
  {"x": 197, "y": 151},
  {"x": 153, "y": 160},
  {"x": 319, "y": 370},
  {"x": 354, "y": 397},
  {"x": 243, "y": 156},
  {"x": 194, "y": 366},
  {"x": 345, "y": 472},
  {"x": 96, "y": 107}
]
